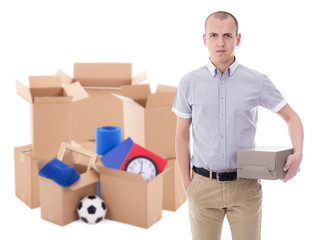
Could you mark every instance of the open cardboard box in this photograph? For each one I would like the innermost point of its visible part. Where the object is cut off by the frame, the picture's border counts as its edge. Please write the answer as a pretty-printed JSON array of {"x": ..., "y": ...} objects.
[
  {"x": 26, "y": 176},
  {"x": 264, "y": 162},
  {"x": 148, "y": 118},
  {"x": 129, "y": 199},
  {"x": 173, "y": 192},
  {"x": 101, "y": 108},
  {"x": 59, "y": 204},
  {"x": 50, "y": 111}
]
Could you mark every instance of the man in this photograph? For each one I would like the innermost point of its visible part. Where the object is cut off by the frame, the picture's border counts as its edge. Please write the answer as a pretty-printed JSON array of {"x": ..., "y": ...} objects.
[{"x": 220, "y": 101}]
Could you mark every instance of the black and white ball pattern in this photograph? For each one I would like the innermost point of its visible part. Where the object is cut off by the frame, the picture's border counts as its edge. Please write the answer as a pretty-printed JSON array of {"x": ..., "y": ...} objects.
[{"x": 91, "y": 209}]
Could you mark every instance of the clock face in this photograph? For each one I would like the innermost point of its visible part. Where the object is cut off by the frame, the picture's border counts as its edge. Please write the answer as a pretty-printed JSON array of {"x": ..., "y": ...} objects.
[{"x": 144, "y": 166}]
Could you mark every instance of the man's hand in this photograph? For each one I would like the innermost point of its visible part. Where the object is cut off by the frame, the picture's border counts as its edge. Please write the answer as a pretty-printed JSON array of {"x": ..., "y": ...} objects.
[{"x": 292, "y": 166}]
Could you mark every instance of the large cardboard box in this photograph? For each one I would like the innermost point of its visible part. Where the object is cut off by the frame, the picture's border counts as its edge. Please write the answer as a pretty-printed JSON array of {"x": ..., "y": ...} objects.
[
  {"x": 129, "y": 199},
  {"x": 149, "y": 120},
  {"x": 263, "y": 162},
  {"x": 50, "y": 111},
  {"x": 26, "y": 176},
  {"x": 173, "y": 192},
  {"x": 59, "y": 204},
  {"x": 101, "y": 108}
]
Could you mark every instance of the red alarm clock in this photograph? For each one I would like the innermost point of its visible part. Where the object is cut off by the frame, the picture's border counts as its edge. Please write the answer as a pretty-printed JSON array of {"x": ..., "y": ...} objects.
[{"x": 141, "y": 161}]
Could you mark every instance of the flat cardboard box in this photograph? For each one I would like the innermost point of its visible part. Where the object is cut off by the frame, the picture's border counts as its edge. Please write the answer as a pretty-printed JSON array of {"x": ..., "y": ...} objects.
[
  {"x": 50, "y": 111},
  {"x": 263, "y": 162},
  {"x": 101, "y": 108},
  {"x": 59, "y": 204},
  {"x": 26, "y": 176},
  {"x": 148, "y": 118},
  {"x": 129, "y": 199},
  {"x": 173, "y": 192}
]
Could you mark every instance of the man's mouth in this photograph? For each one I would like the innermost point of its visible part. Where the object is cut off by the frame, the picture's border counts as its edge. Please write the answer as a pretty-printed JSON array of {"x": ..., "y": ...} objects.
[{"x": 220, "y": 51}]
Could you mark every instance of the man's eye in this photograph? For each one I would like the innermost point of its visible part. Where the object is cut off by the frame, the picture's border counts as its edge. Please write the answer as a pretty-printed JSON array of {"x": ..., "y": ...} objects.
[
  {"x": 213, "y": 35},
  {"x": 228, "y": 36}
]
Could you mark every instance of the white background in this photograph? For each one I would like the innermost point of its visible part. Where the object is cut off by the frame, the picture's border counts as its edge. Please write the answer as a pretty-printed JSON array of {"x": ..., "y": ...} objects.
[{"x": 165, "y": 38}]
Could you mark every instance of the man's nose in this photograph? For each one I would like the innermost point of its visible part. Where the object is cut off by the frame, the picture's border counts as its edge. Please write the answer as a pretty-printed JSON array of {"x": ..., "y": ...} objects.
[{"x": 220, "y": 42}]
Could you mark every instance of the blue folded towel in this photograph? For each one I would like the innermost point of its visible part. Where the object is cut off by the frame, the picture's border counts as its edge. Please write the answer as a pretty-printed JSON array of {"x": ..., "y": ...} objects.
[{"x": 59, "y": 172}]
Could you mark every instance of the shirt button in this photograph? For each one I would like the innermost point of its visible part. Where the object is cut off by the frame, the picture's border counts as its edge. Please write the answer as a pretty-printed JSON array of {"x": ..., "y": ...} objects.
[
  {"x": 222, "y": 82},
  {"x": 222, "y": 116},
  {"x": 222, "y": 136},
  {"x": 222, "y": 155},
  {"x": 222, "y": 99}
]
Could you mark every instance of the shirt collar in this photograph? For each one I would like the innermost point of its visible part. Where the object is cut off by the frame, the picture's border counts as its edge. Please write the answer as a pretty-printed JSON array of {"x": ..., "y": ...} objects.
[{"x": 213, "y": 69}]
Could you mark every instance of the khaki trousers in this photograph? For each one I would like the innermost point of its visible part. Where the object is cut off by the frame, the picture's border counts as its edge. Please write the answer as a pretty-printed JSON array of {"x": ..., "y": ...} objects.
[{"x": 210, "y": 201}]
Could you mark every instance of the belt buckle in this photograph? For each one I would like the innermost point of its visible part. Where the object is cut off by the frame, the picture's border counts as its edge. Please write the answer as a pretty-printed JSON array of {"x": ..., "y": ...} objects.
[
  {"x": 229, "y": 178},
  {"x": 220, "y": 181}
]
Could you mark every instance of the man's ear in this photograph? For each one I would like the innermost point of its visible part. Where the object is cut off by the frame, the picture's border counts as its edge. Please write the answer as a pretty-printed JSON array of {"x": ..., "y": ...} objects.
[
  {"x": 238, "y": 39},
  {"x": 204, "y": 38}
]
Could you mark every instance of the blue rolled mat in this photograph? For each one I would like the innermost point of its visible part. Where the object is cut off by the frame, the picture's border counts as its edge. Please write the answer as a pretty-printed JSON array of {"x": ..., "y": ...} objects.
[
  {"x": 59, "y": 172},
  {"x": 106, "y": 138}
]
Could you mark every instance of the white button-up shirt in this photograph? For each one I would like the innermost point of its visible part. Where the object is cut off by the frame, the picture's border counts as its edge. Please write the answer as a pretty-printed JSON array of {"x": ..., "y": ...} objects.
[{"x": 224, "y": 111}]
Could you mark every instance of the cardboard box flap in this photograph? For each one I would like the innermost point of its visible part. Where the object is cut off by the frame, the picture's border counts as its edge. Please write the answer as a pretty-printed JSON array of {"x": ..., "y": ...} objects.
[
  {"x": 139, "y": 78},
  {"x": 76, "y": 91},
  {"x": 251, "y": 171},
  {"x": 160, "y": 99},
  {"x": 66, "y": 79},
  {"x": 103, "y": 74},
  {"x": 53, "y": 99},
  {"x": 45, "y": 82},
  {"x": 126, "y": 99},
  {"x": 42, "y": 86},
  {"x": 23, "y": 91},
  {"x": 138, "y": 93},
  {"x": 85, "y": 179},
  {"x": 119, "y": 173},
  {"x": 165, "y": 88}
]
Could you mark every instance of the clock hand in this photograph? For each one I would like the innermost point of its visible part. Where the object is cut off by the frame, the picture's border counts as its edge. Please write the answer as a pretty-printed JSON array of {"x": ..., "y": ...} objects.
[{"x": 141, "y": 168}]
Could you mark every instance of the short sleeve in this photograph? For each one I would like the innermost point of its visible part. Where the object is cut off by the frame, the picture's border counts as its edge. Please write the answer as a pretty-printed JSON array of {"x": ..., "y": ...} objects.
[
  {"x": 270, "y": 97},
  {"x": 181, "y": 106}
]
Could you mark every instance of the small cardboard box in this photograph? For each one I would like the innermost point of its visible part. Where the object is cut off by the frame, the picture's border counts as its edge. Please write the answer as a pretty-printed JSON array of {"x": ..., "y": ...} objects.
[
  {"x": 129, "y": 199},
  {"x": 59, "y": 204},
  {"x": 101, "y": 108},
  {"x": 26, "y": 176},
  {"x": 50, "y": 112},
  {"x": 148, "y": 118},
  {"x": 173, "y": 191},
  {"x": 264, "y": 162}
]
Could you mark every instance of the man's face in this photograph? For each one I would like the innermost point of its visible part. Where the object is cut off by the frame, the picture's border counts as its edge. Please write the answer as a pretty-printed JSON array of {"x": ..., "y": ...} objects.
[{"x": 221, "y": 40}]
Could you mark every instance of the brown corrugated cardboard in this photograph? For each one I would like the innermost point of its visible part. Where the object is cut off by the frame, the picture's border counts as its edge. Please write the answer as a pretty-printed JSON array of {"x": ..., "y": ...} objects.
[
  {"x": 50, "y": 112},
  {"x": 265, "y": 162},
  {"x": 101, "y": 108},
  {"x": 173, "y": 192},
  {"x": 129, "y": 199},
  {"x": 26, "y": 177},
  {"x": 149, "y": 118},
  {"x": 59, "y": 204}
]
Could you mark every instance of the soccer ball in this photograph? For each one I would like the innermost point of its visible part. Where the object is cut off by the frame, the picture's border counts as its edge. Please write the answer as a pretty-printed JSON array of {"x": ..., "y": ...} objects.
[{"x": 91, "y": 209}]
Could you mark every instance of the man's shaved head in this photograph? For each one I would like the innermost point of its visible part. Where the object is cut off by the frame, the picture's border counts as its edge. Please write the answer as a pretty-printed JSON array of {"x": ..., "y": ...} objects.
[{"x": 222, "y": 15}]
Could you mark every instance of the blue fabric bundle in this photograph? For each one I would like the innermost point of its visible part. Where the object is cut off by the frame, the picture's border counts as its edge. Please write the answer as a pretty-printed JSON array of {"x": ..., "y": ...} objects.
[
  {"x": 106, "y": 138},
  {"x": 59, "y": 172}
]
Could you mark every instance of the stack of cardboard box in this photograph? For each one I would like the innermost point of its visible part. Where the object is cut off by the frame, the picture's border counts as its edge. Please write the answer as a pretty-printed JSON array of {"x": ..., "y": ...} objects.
[{"x": 109, "y": 95}]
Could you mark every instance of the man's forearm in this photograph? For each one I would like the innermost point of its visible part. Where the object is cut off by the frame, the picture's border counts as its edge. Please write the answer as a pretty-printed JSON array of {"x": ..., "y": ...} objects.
[
  {"x": 183, "y": 157},
  {"x": 295, "y": 129}
]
